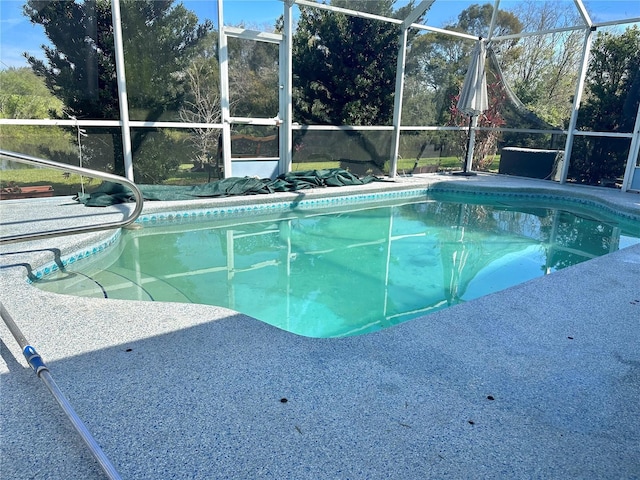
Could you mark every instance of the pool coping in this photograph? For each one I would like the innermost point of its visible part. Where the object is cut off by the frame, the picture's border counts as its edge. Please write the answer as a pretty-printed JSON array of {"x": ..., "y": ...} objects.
[{"x": 419, "y": 389}]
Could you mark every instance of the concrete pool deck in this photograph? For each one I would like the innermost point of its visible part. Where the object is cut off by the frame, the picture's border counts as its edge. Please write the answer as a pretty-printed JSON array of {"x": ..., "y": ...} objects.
[{"x": 541, "y": 380}]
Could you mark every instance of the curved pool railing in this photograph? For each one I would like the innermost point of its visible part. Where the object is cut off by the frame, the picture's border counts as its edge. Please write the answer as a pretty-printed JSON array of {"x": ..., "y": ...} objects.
[{"x": 19, "y": 157}]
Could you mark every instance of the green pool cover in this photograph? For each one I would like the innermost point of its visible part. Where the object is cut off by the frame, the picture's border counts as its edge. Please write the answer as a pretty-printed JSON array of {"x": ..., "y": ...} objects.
[{"x": 112, "y": 193}]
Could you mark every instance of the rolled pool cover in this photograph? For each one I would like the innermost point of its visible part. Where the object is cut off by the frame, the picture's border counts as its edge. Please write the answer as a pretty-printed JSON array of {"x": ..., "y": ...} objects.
[{"x": 109, "y": 193}]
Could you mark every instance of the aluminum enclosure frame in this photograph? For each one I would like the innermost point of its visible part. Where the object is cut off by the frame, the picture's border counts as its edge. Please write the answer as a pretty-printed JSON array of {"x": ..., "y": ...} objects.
[{"x": 284, "y": 118}]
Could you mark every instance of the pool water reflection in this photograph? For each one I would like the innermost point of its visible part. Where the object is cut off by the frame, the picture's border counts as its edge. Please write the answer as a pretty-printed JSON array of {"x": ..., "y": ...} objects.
[{"x": 351, "y": 272}]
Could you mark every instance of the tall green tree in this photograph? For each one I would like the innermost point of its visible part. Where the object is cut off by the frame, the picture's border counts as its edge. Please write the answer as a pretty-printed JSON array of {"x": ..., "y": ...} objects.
[
  {"x": 79, "y": 67},
  {"x": 159, "y": 40},
  {"x": 345, "y": 67},
  {"x": 612, "y": 97}
]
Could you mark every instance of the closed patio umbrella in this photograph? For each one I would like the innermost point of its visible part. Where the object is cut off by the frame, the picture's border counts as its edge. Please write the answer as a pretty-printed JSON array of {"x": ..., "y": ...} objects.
[{"x": 473, "y": 96}]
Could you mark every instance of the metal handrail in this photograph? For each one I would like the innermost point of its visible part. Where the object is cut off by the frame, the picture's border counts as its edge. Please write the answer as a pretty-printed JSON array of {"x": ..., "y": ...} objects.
[{"x": 19, "y": 157}]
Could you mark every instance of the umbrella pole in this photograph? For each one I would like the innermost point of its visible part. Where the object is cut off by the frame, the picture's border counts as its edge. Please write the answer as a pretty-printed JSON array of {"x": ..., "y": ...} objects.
[
  {"x": 467, "y": 159},
  {"x": 42, "y": 372}
]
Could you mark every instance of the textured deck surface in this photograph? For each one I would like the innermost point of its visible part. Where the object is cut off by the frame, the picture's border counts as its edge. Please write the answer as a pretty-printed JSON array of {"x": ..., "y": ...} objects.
[{"x": 539, "y": 381}]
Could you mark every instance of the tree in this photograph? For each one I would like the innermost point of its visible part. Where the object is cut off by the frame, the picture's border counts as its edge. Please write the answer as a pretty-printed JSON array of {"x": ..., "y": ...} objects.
[
  {"x": 436, "y": 66},
  {"x": 546, "y": 70},
  {"x": 253, "y": 88},
  {"x": 159, "y": 41},
  {"x": 439, "y": 61},
  {"x": 612, "y": 96},
  {"x": 202, "y": 105},
  {"x": 79, "y": 71},
  {"x": 345, "y": 67},
  {"x": 253, "y": 78},
  {"x": 24, "y": 95}
]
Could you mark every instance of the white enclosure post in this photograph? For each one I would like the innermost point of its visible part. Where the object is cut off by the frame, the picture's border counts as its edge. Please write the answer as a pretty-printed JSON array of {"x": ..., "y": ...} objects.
[
  {"x": 471, "y": 143},
  {"x": 397, "y": 103},
  {"x": 223, "y": 60},
  {"x": 583, "y": 13},
  {"x": 576, "y": 105},
  {"x": 122, "y": 90},
  {"x": 286, "y": 89},
  {"x": 494, "y": 19},
  {"x": 632, "y": 167},
  {"x": 399, "y": 91}
]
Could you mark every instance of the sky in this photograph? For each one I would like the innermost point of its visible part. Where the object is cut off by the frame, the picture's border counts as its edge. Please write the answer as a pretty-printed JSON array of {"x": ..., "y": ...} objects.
[{"x": 18, "y": 35}]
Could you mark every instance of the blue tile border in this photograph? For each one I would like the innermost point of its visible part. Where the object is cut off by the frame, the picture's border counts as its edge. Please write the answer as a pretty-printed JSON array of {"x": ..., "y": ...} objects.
[
  {"x": 85, "y": 253},
  {"x": 540, "y": 195},
  {"x": 275, "y": 207}
]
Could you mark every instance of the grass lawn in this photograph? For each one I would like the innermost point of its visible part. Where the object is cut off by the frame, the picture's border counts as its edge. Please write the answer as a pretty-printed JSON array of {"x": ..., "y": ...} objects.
[{"x": 406, "y": 164}]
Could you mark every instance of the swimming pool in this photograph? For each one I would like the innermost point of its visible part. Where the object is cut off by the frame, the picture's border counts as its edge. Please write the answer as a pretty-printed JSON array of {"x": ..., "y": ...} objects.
[{"x": 327, "y": 270}]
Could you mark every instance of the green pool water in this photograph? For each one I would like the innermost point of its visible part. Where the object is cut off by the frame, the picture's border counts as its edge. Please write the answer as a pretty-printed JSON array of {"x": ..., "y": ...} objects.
[{"x": 343, "y": 273}]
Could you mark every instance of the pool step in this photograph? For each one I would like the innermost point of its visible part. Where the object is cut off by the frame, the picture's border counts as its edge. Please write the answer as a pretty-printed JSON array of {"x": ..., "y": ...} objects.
[{"x": 119, "y": 283}]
